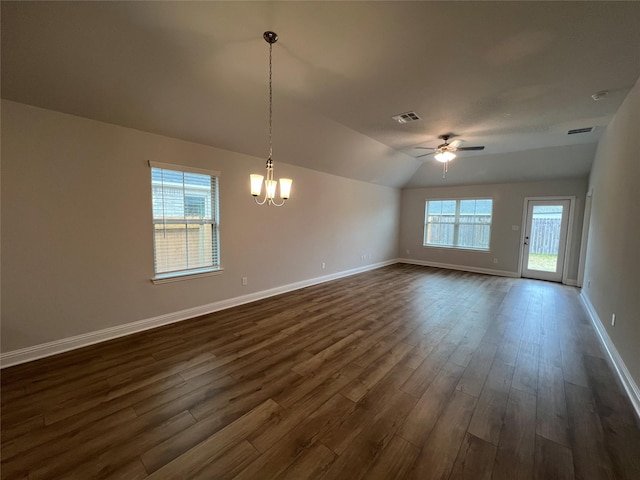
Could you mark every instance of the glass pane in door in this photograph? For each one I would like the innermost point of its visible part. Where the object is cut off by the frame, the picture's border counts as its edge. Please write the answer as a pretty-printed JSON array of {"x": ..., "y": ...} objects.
[{"x": 544, "y": 241}]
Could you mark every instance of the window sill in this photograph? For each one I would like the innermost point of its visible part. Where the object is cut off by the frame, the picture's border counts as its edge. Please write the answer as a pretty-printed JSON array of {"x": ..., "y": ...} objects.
[
  {"x": 186, "y": 275},
  {"x": 464, "y": 249}
]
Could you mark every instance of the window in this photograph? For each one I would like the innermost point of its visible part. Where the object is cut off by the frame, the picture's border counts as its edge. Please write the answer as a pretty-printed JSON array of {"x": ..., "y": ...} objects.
[
  {"x": 185, "y": 221},
  {"x": 458, "y": 223},
  {"x": 194, "y": 206}
]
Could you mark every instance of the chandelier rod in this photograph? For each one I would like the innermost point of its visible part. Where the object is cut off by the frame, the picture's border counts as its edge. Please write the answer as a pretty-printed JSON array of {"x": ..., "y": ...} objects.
[{"x": 271, "y": 41}]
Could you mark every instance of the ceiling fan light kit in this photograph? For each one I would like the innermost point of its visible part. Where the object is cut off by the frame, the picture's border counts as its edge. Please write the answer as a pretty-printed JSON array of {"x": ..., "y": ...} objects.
[{"x": 445, "y": 156}]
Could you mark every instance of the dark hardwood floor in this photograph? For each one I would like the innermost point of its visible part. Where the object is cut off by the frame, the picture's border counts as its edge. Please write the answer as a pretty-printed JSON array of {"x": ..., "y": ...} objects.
[{"x": 404, "y": 372}]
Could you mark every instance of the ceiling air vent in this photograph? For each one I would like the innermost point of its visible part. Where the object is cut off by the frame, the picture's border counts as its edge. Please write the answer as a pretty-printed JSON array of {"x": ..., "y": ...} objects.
[
  {"x": 579, "y": 130},
  {"x": 406, "y": 117}
]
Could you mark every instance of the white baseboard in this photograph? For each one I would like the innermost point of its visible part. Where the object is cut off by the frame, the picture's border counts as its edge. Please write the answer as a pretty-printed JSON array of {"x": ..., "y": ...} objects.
[
  {"x": 36, "y": 352},
  {"x": 571, "y": 282},
  {"x": 16, "y": 357},
  {"x": 487, "y": 271},
  {"x": 630, "y": 386}
]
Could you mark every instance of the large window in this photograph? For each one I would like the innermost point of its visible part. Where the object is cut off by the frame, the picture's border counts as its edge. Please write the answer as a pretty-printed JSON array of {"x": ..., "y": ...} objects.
[
  {"x": 185, "y": 220},
  {"x": 461, "y": 223}
]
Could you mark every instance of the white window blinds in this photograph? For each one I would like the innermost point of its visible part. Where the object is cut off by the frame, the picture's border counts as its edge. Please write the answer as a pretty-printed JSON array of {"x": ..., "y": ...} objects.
[
  {"x": 185, "y": 220},
  {"x": 458, "y": 223}
]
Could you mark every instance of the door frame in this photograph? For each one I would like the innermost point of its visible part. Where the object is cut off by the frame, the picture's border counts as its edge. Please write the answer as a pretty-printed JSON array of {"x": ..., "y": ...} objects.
[
  {"x": 523, "y": 231},
  {"x": 585, "y": 236}
]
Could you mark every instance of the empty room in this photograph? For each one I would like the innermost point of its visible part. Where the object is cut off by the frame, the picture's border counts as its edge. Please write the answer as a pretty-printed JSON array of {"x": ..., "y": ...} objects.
[{"x": 320, "y": 240}]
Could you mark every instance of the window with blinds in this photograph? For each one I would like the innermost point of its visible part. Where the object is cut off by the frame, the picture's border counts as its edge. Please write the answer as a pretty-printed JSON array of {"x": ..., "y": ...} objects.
[
  {"x": 185, "y": 220},
  {"x": 459, "y": 223}
]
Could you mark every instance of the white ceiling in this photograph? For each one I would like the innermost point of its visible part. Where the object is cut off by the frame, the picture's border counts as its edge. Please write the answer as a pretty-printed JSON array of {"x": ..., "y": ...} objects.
[{"x": 511, "y": 76}]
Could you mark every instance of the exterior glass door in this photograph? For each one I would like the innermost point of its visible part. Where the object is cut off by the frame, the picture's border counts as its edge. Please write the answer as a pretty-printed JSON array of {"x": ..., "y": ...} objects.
[{"x": 545, "y": 239}]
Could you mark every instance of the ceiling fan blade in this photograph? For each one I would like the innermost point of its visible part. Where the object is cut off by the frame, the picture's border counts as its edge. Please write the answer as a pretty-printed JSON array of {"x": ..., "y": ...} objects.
[
  {"x": 470, "y": 148},
  {"x": 455, "y": 144},
  {"x": 426, "y": 148},
  {"x": 425, "y": 154}
]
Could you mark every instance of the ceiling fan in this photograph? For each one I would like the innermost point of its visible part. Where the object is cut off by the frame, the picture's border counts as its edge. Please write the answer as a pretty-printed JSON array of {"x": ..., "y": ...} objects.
[{"x": 445, "y": 152}]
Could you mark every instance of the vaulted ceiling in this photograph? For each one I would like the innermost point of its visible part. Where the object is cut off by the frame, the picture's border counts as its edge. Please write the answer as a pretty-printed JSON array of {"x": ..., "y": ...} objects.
[{"x": 513, "y": 76}]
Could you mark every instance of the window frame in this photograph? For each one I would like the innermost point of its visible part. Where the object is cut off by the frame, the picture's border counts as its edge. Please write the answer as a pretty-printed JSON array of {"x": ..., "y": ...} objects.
[
  {"x": 195, "y": 272},
  {"x": 456, "y": 224}
]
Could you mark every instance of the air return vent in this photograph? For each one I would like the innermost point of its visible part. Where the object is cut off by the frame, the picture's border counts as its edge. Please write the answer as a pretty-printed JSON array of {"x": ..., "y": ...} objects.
[
  {"x": 579, "y": 130},
  {"x": 406, "y": 117}
]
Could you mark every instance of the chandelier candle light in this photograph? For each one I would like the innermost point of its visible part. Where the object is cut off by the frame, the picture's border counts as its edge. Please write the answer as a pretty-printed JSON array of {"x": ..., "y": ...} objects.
[{"x": 256, "y": 180}]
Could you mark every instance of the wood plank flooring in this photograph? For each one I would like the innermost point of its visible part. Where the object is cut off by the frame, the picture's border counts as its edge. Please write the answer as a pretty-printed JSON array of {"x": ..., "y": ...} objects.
[{"x": 404, "y": 372}]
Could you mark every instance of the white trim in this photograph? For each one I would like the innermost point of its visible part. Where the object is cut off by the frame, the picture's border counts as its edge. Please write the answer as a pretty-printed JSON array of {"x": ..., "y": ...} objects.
[
  {"x": 568, "y": 239},
  {"x": 185, "y": 275},
  {"x": 630, "y": 386},
  {"x": 584, "y": 241},
  {"x": 183, "y": 168},
  {"x": 571, "y": 282},
  {"x": 35, "y": 352},
  {"x": 465, "y": 268},
  {"x": 454, "y": 249}
]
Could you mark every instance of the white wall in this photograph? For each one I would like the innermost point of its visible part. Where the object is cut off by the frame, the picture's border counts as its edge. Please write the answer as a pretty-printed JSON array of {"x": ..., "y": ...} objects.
[
  {"x": 612, "y": 267},
  {"x": 77, "y": 252},
  {"x": 508, "y": 202}
]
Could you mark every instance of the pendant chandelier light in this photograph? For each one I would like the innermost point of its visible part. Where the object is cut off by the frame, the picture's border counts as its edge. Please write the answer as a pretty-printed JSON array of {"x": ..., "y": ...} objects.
[{"x": 269, "y": 183}]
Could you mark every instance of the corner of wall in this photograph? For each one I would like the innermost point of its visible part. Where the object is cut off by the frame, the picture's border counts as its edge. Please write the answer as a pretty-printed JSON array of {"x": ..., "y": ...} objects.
[{"x": 629, "y": 384}]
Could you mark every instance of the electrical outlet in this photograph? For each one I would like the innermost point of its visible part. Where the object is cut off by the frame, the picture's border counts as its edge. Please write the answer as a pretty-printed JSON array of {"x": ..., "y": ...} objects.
[
  {"x": 244, "y": 281},
  {"x": 495, "y": 260},
  {"x": 408, "y": 251},
  {"x": 323, "y": 265},
  {"x": 613, "y": 319}
]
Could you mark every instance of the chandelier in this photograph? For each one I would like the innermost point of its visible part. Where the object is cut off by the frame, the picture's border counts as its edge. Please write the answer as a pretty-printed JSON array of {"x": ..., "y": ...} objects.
[{"x": 269, "y": 183}]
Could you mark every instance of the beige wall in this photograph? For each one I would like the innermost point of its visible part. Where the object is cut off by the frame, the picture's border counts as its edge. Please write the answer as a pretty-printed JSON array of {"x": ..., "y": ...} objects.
[
  {"x": 77, "y": 247},
  {"x": 508, "y": 203},
  {"x": 612, "y": 267},
  {"x": 77, "y": 252}
]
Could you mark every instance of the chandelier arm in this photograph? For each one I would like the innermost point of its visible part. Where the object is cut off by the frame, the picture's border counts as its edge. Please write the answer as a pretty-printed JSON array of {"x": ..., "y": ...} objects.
[
  {"x": 269, "y": 201},
  {"x": 264, "y": 200}
]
